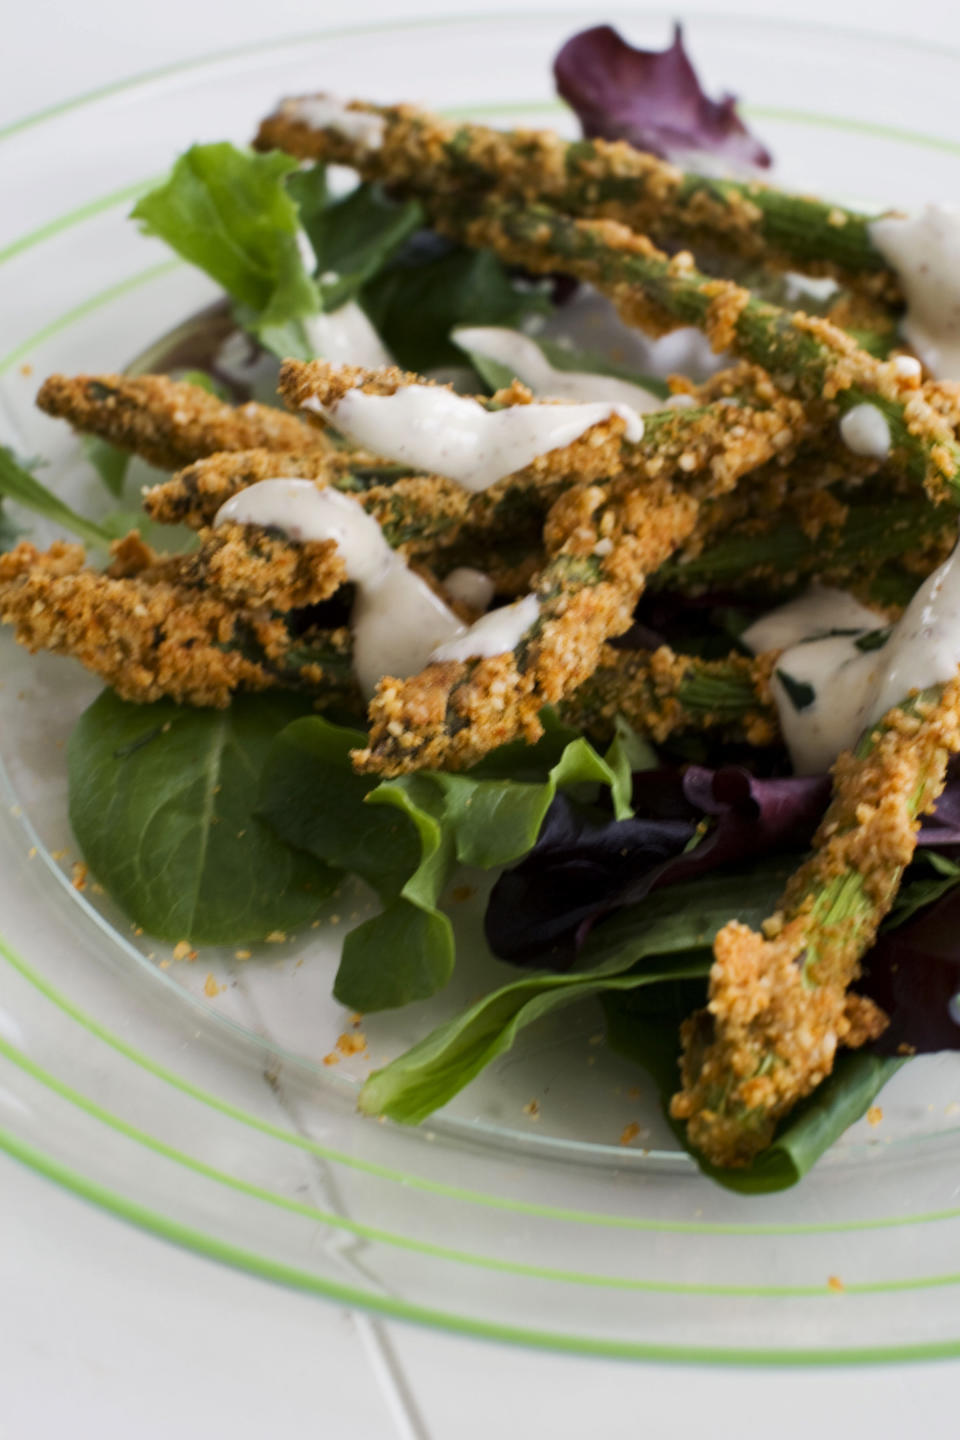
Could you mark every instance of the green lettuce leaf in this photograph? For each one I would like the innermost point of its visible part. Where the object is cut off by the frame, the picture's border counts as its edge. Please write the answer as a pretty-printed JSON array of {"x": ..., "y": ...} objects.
[
  {"x": 229, "y": 212},
  {"x": 418, "y": 299},
  {"x": 666, "y": 937},
  {"x": 162, "y": 805},
  {"x": 353, "y": 239},
  {"x": 17, "y": 483},
  {"x": 405, "y": 837}
]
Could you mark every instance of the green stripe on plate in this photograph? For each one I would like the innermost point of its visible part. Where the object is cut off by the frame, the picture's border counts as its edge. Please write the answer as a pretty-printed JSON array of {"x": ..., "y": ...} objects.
[
  {"x": 444, "y": 1252},
  {"x": 214, "y": 1248}
]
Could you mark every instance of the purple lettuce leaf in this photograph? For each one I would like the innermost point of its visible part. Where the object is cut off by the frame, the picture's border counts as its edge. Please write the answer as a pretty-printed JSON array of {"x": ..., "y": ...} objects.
[
  {"x": 585, "y": 865},
  {"x": 913, "y": 973},
  {"x": 540, "y": 912},
  {"x": 652, "y": 98}
]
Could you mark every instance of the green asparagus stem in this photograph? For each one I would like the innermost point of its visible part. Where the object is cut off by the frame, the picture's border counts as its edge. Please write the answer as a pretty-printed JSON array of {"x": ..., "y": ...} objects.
[
  {"x": 778, "y": 551},
  {"x": 425, "y": 156},
  {"x": 779, "y": 1005}
]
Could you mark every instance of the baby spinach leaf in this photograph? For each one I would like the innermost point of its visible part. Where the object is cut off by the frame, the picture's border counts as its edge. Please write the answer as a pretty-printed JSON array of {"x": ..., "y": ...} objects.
[
  {"x": 162, "y": 805},
  {"x": 672, "y": 930},
  {"x": 229, "y": 212},
  {"x": 353, "y": 239},
  {"x": 16, "y": 483},
  {"x": 405, "y": 836},
  {"x": 430, "y": 288},
  {"x": 807, "y": 1133}
]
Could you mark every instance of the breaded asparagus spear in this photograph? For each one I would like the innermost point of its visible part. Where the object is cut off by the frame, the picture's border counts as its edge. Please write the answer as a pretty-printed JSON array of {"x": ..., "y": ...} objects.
[
  {"x": 194, "y": 494},
  {"x": 661, "y": 693},
  {"x": 146, "y": 630},
  {"x": 425, "y": 155},
  {"x": 817, "y": 363},
  {"x": 149, "y": 636},
  {"x": 169, "y": 423},
  {"x": 779, "y": 1005}
]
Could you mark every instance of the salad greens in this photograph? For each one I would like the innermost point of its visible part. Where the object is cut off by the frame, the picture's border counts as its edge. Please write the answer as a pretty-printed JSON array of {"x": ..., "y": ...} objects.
[
  {"x": 162, "y": 802},
  {"x": 431, "y": 287},
  {"x": 230, "y": 213},
  {"x": 250, "y": 220},
  {"x": 666, "y": 937},
  {"x": 405, "y": 837},
  {"x": 17, "y": 483}
]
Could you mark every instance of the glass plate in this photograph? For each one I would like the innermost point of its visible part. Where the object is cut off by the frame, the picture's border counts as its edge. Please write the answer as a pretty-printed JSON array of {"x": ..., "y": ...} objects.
[{"x": 192, "y": 1098}]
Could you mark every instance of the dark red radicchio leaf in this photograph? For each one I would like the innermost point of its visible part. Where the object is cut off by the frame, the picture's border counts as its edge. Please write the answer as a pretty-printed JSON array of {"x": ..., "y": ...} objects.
[
  {"x": 540, "y": 912},
  {"x": 653, "y": 99},
  {"x": 913, "y": 973}
]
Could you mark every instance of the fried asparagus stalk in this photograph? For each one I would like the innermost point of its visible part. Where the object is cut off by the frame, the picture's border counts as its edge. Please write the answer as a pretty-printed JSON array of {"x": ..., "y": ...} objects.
[
  {"x": 840, "y": 538},
  {"x": 661, "y": 693},
  {"x": 424, "y": 155},
  {"x": 148, "y": 632},
  {"x": 150, "y": 636},
  {"x": 779, "y": 1003},
  {"x": 194, "y": 494},
  {"x": 169, "y": 423},
  {"x": 813, "y": 360}
]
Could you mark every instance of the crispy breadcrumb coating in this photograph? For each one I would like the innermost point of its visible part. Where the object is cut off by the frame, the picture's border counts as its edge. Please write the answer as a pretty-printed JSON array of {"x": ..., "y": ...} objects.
[
  {"x": 148, "y": 637},
  {"x": 425, "y": 155},
  {"x": 169, "y": 423}
]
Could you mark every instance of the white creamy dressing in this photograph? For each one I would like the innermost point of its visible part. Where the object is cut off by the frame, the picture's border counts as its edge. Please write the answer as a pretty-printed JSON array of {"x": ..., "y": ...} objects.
[
  {"x": 347, "y": 337},
  {"x": 865, "y": 431},
  {"x": 492, "y": 634},
  {"x": 397, "y": 619},
  {"x": 924, "y": 250},
  {"x": 853, "y": 688},
  {"x": 329, "y": 112},
  {"x": 818, "y": 612},
  {"x": 590, "y": 322},
  {"x": 524, "y": 359},
  {"x": 441, "y": 433},
  {"x": 471, "y": 587}
]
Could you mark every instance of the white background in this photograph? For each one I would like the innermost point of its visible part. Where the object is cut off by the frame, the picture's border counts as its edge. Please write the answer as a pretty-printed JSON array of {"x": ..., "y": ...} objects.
[{"x": 107, "y": 1332}]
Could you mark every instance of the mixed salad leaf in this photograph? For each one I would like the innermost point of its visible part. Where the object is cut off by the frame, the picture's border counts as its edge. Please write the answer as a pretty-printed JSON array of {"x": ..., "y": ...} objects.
[
  {"x": 163, "y": 805},
  {"x": 406, "y": 836},
  {"x": 230, "y": 213},
  {"x": 17, "y": 482},
  {"x": 285, "y": 249},
  {"x": 653, "y": 99}
]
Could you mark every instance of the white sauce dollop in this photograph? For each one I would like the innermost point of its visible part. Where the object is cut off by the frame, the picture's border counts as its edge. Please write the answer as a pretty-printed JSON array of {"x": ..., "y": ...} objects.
[
  {"x": 471, "y": 587},
  {"x": 865, "y": 431},
  {"x": 441, "y": 433},
  {"x": 524, "y": 358},
  {"x": 329, "y": 112},
  {"x": 492, "y": 634},
  {"x": 397, "y": 619},
  {"x": 819, "y": 612},
  {"x": 347, "y": 337},
  {"x": 854, "y": 688},
  {"x": 924, "y": 250}
]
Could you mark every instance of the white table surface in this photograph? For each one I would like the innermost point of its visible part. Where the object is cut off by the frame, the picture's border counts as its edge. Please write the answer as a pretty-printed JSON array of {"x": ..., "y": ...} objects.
[{"x": 109, "y": 1332}]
